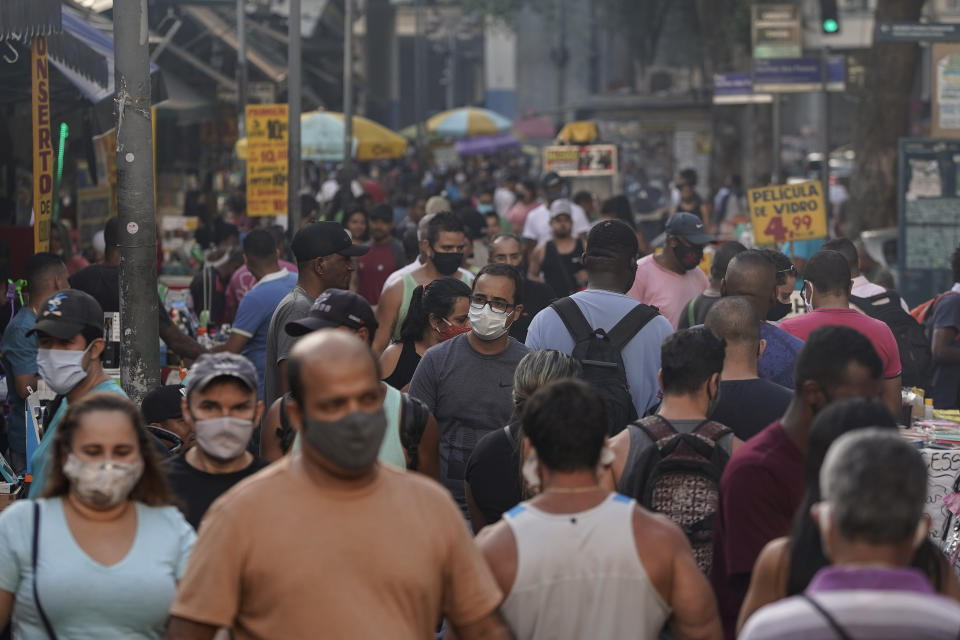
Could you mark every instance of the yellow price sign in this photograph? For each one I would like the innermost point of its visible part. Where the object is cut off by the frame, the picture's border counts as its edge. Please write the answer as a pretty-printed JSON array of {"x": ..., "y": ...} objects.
[
  {"x": 787, "y": 212},
  {"x": 267, "y": 170}
]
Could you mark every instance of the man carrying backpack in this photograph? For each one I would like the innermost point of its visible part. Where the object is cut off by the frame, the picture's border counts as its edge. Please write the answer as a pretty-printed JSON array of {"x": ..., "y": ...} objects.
[
  {"x": 628, "y": 382},
  {"x": 672, "y": 462},
  {"x": 941, "y": 318}
]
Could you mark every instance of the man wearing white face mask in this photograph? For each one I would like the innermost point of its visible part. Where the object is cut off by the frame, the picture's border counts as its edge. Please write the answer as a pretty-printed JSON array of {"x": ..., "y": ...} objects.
[
  {"x": 70, "y": 342},
  {"x": 221, "y": 405},
  {"x": 467, "y": 381}
]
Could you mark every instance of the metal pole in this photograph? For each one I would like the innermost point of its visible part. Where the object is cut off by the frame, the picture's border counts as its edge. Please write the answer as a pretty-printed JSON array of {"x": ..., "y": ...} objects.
[
  {"x": 139, "y": 326},
  {"x": 562, "y": 61},
  {"x": 293, "y": 130},
  {"x": 241, "y": 68},
  {"x": 825, "y": 134},
  {"x": 451, "y": 63},
  {"x": 419, "y": 60},
  {"x": 348, "y": 94},
  {"x": 776, "y": 139}
]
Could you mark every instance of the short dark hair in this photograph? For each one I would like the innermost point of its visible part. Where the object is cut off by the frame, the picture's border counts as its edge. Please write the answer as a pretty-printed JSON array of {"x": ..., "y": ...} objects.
[
  {"x": 41, "y": 266},
  {"x": 566, "y": 422},
  {"x": 582, "y": 196},
  {"x": 506, "y": 271},
  {"x": 259, "y": 245},
  {"x": 111, "y": 233},
  {"x": 828, "y": 272},
  {"x": 688, "y": 358},
  {"x": 828, "y": 352},
  {"x": 723, "y": 256},
  {"x": 734, "y": 320},
  {"x": 382, "y": 212},
  {"x": 781, "y": 264},
  {"x": 279, "y": 234},
  {"x": 846, "y": 248},
  {"x": 438, "y": 299},
  {"x": 444, "y": 221},
  {"x": 610, "y": 240}
]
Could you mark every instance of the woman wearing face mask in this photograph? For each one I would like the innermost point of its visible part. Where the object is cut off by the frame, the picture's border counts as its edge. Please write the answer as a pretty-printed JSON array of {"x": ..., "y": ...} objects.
[
  {"x": 100, "y": 555},
  {"x": 786, "y": 284},
  {"x": 492, "y": 480},
  {"x": 437, "y": 312}
]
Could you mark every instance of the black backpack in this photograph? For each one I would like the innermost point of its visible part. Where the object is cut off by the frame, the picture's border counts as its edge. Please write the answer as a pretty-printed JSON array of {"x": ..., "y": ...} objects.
[
  {"x": 679, "y": 476},
  {"x": 912, "y": 341},
  {"x": 599, "y": 352}
]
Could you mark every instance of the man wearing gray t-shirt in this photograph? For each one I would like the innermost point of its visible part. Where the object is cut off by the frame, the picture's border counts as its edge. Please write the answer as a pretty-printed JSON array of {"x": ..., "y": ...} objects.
[
  {"x": 324, "y": 253},
  {"x": 467, "y": 382}
]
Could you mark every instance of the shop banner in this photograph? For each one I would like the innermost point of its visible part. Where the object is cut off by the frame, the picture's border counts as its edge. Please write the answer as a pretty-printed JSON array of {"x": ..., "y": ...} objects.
[
  {"x": 267, "y": 165},
  {"x": 787, "y": 212},
  {"x": 43, "y": 156},
  {"x": 588, "y": 160}
]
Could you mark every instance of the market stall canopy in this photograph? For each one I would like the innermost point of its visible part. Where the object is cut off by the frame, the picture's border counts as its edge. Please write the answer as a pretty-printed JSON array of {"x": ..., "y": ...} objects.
[
  {"x": 485, "y": 144},
  {"x": 467, "y": 122},
  {"x": 27, "y": 18},
  {"x": 321, "y": 138},
  {"x": 578, "y": 132},
  {"x": 183, "y": 103},
  {"x": 534, "y": 128}
]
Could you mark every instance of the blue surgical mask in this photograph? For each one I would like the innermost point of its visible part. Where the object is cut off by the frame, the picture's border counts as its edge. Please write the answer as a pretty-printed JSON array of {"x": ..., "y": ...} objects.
[
  {"x": 62, "y": 369},
  {"x": 484, "y": 208}
]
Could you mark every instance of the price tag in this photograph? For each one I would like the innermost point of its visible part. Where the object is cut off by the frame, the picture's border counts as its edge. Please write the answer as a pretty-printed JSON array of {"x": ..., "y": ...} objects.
[
  {"x": 267, "y": 169},
  {"x": 789, "y": 212}
]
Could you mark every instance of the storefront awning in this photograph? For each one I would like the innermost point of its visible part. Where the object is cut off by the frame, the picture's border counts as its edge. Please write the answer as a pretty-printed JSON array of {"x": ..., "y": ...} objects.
[
  {"x": 27, "y": 18},
  {"x": 210, "y": 20},
  {"x": 72, "y": 49}
]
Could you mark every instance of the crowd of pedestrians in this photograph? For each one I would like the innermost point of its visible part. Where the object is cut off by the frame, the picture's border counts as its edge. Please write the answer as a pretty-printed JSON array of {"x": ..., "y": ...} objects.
[{"x": 491, "y": 418}]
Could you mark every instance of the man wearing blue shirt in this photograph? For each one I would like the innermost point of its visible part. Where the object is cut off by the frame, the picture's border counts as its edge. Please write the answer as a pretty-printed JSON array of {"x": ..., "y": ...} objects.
[
  {"x": 46, "y": 275},
  {"x": 252, "y": 322}
]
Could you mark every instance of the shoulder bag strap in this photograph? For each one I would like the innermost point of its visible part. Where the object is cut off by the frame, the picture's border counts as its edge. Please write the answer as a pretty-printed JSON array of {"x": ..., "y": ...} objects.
[
  {"x": 691, "y": 312},
  {"x": 631, "y": 324},
  {"x": 34, "y": 550},
  {"x": 840, "y": 631}
]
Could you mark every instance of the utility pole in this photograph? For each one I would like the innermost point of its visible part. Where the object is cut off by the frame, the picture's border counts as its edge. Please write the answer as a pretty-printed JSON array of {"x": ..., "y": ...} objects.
[
  {"x": 775, "y": 174},
  {"x": 451, "y": 63},
  {"x": 294, "y": 56},
  {"x": 419, "y": 60},
  {"x": 825, "y": 127},
  {"x": 139, "y": 326},
  {"x": 241, "y": 68},
  {"x": 348, "y": 97}
]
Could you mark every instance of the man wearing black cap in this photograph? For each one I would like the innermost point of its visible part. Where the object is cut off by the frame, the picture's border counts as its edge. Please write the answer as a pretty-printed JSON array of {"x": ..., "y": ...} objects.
[
  {"x": 324, "y": 253},
  {"x": 221, "y": 408},
  {"x": 671, "y": 279},
  {"x": 162, "y": 410},
  {"x": 70, "y": 343},
  {"x": 536, "y": 229},
  {"x": 386, "y": 255}
]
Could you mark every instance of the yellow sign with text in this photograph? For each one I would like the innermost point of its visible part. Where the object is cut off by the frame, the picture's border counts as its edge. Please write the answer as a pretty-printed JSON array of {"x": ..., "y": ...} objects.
[
  {"x": 43, "y": 156},
  {"x": 787, "y": 212},
  {"x": 267, "y": 165}
]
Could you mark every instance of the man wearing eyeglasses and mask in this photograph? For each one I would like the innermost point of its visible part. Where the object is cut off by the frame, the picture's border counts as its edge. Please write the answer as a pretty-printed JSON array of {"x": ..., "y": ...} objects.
[
  {"x": 70, "y": 344},
  {"x": 467, "y": 381},
  {"x": 222, "y": 408}
]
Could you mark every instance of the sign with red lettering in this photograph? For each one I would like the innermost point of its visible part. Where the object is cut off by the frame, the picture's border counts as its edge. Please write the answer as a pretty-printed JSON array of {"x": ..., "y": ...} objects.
[
  {"x": 43, "y": 156},
  {"x": 787, "y": 213},
  {"x": 267, "y": 169}
]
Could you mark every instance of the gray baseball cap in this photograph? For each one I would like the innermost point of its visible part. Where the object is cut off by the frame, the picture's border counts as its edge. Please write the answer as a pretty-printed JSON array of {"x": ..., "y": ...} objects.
[{"x": 211, "y": 366}]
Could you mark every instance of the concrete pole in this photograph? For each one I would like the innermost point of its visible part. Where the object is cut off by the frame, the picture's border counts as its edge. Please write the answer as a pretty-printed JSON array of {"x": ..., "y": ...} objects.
[
  {"x": 139, "y": 326},
  {"x": 825, "y": 133},
  {"x": 348, "y": 94},
  {"x": 451, "y": 63},
  {"x": 241, "y": 67},
  {"x": 293, "y": 99},
  {"x": 776, "y": 139},
  {"x": 419, "y": 70}
]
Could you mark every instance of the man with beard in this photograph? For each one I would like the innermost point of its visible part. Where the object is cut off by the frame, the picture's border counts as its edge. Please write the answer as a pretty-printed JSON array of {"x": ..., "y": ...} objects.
[{"x": 385, "y": 256}]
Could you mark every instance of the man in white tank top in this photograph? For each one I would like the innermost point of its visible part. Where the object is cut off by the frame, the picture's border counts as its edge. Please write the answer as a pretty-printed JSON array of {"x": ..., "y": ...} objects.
[{"x": 577, "y": 561}]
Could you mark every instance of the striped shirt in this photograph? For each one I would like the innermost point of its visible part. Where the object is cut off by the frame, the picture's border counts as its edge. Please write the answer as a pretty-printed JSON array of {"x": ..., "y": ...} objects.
[{"x": 874, "y": 603}]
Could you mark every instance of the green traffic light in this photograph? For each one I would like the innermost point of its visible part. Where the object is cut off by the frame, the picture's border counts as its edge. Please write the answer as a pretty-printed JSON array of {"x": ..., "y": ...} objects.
[{"x": 830, "y": 26}]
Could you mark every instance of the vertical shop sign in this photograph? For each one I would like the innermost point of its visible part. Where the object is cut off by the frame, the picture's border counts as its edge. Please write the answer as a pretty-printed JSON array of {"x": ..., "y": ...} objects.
[
  {"x": 43, "y": 156},
  {"x": 267, "y": 165}
]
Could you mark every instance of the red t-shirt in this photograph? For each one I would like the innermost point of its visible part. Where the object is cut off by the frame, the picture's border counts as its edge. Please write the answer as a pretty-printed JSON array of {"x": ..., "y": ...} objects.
[
  {"x": 760, "y": 491},
  {"x": 876, "y": 331},
  {"x": 373, "y": 269}
]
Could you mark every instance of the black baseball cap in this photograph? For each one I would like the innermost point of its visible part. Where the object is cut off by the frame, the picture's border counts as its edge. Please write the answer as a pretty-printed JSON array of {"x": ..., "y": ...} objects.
[
  {"x": 335, "y": 308},
  {"x": 689, "y": 227},
  {"x": 67, "y": 313},
  {"x": 550, "y": 180},
  {"x": 163, "y": 403},
  {"x": 319, "y": 239}
]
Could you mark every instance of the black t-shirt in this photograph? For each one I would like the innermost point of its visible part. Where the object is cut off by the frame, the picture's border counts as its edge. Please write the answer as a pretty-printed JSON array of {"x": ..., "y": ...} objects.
[
  {"x": 197, "y": 489},
  {"x": 537, "y": 296},
  {"x": 700, "y": 306},
  {"x": 101, "y": 282},
  {"x": 749, "y": 406},
  {"x": 493, "y": 472}
]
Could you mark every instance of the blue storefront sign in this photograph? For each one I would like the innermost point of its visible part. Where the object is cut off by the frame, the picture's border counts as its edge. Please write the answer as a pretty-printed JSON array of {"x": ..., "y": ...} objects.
[{"x": 798, "y": 75}]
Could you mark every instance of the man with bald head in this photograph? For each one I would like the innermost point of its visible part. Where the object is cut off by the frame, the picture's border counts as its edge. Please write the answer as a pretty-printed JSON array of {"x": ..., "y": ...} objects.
[
  {"x": 751, "y": 275},
  {"x": 328, "y": 542},
  {"x": 748, "y": 403}
]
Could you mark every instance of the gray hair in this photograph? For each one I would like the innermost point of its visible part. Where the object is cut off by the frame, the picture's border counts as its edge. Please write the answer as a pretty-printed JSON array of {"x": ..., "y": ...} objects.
[
  {"x": 537, "y": 368},
  {"x": 876, "y": 484},
  {"x": 422, "y": 226}
]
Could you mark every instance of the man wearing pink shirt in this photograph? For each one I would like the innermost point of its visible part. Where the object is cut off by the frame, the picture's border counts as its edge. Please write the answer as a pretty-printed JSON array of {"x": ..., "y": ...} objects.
[
  {"x": 671, "y": 279},
  {"x": 826, "y": 285}
]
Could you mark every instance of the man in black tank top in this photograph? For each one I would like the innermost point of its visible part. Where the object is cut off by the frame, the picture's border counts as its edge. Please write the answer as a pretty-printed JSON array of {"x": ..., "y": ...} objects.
[{"x": 559, "y": 260}]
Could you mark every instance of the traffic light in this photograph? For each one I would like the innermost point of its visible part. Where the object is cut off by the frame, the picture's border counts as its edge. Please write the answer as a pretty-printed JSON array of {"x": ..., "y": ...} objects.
[{"x": 829, "y": 17}]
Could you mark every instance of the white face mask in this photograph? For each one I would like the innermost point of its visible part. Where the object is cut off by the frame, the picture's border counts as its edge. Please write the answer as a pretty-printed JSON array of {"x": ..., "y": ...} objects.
[
  {"x": 62, "y": 369},
  {"x": 223, "y": 438},
  {"x": 102, "y": 483},
  {"x": 487, "y": 324}
]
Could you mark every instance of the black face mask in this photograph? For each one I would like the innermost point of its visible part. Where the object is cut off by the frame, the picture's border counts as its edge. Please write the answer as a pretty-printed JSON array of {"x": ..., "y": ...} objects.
[
  {"x": 778, "y": 311},
  {"x": 447, "y": 263},
  {"x": 688, "y": 257}
]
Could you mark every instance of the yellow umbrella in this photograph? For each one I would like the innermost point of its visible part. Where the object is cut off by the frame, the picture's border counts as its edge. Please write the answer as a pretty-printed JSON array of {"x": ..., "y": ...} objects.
[
  {"x": 467, "y": 122},
  {"x": 578, "y": 132},
  {"x": 321, "y": 138}
]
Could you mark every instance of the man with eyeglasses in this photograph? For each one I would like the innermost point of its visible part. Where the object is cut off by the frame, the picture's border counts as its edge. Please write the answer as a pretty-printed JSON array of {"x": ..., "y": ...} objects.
[
  {"x": 507, "y": 248},
  {"x": 467, "y": 381}
]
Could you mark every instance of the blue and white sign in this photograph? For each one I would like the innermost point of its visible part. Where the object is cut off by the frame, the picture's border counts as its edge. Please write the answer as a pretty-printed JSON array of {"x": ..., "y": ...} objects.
[
  {"x": 736, "y": 88},
  {"x": 798, "y": 75}
]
